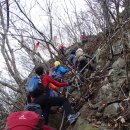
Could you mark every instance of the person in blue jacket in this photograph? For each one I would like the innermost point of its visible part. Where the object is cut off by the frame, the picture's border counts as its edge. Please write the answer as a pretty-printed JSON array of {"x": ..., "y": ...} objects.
[
  {"x": 60, "y": 70},
  {"x": 72, "y": 57}
]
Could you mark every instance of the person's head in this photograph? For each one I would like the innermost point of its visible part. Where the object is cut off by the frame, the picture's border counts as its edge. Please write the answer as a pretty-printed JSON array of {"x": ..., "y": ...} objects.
[
  {"x": 79, "y": 52},
  {"x": 57, "y": 64},
  {"x": 73, "y": 51},
  {"x": 39, "y": 70},
  {"x": 61, "y": 47}
]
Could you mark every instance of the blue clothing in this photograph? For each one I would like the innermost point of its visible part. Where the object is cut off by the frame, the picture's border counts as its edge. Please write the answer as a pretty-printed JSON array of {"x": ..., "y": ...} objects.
[
  {"x": 71, "y": 59},
  {"x": 60, "y": 71}
]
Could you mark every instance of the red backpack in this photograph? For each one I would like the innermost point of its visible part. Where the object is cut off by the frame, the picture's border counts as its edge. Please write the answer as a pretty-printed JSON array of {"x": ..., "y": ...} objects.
[{"x": 26, "y": 120}]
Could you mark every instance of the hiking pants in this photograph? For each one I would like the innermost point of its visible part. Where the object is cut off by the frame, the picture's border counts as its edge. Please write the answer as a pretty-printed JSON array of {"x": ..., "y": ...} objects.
[
  {"x": 46, "y": 111},
  {"x": 45, "y": 101}
]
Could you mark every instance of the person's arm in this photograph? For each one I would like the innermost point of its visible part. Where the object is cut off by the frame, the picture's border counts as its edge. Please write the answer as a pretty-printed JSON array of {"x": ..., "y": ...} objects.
[
  {"x": 46, "y": 80},
  {"x": 88, "y": 56},
  {"x": 51, "y": 70},
  {"x": 53, "y": 87}
]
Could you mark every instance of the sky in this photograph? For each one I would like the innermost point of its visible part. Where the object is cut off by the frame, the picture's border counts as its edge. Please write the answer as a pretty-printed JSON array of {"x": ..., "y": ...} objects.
[
  {"x": 39, "y": 16},
  {"x": 57, "y": 8}
]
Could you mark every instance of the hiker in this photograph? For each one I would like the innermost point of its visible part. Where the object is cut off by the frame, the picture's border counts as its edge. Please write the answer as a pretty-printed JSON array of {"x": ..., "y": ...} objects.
[
  {"x": 45, "y": 101},
  {"x": 57, "y": 72},
  {"x": 72, "y": 57},
  {"x": 84, "y": 38},
  {"x": 31, "y": 118},
  {"x": 52, "y": 72},
  {"x": 62, "y": 49},
  {"x": 60, "y": 71},
  {"x": 81, "y": 60}
]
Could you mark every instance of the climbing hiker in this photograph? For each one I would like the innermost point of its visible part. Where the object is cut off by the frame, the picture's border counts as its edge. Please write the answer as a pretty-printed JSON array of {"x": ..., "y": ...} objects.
[
  {"x": 30, "y": 118},
  {"x": 52, "y": 72},
  {"x": 62, "y": 49},
  {"x": 84, "y": 38},
  {"x": 72, "y": 57},
  {"x": 45, "y": 101},
  {"x": 60, "y": 71},
  {"x": 81, "y": 60}
]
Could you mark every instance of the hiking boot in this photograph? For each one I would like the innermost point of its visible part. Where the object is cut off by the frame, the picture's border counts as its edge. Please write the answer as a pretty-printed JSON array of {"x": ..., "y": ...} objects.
[{"x": 72, "y": 117}]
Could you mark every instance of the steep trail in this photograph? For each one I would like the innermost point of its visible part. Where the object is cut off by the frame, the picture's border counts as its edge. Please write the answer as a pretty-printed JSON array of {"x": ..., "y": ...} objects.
[{"x": 95, "y": 106}]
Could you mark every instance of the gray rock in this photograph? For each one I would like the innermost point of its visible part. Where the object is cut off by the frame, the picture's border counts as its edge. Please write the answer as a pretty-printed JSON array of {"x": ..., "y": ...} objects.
[
  {"x": 117, "y": 47},
  {"x": 111, "y": 109},
  {"x": 118, "y": 64}
]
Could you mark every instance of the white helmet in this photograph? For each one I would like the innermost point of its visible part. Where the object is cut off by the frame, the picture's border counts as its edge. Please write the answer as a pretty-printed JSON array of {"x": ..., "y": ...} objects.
[
  {"x": 79, "y": 52},
  {"x": 79, "y": 49}
]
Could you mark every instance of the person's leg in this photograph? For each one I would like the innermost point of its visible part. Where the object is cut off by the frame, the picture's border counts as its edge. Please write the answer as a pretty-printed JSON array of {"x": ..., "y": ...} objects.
[
  {"x": 71, "y": 116},
  {"x": 58, "y": 101},
  {"x": 54, "y": 101},
  {"x": 46, "y": 111}
]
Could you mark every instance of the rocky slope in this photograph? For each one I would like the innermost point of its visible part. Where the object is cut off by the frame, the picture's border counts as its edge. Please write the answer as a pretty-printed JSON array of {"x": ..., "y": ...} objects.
[{"x": 104, "y": 98}]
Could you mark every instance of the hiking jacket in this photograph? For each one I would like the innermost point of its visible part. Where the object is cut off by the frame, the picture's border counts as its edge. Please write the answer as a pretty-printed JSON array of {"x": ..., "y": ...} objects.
[
  {"x": 60, "y": 71},
  {"x": 53, "y": 84},
  {"x": 47, "y": 79},
  {"x": 47, "y": 82},
  {"x": 71, "y": 59},
  {"x": 84, "y": 37}
]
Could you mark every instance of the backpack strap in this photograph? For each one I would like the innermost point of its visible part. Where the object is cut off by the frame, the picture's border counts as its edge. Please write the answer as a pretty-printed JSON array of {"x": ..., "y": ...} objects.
[{"x": 40, "y": 123}]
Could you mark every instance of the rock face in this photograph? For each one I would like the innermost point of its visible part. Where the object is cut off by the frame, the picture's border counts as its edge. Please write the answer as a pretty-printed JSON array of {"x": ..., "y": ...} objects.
[
  {"x": 117, "y": 47},
  {"x": 119, "y": 64},
  {"x": 93, "y": 117},
  {"x": 81, "y": 124},
  {"x": 103, "y": 108}
]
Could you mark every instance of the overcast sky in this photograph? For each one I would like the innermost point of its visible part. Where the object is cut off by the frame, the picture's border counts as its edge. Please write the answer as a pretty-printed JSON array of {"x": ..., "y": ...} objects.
[
  {"x": 57, "y": 8},
  {"x": 40, "y": 17}
]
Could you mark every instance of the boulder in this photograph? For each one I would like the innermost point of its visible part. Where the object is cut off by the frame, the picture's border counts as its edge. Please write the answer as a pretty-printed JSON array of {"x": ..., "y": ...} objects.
[{"x": 119, "y": 63}]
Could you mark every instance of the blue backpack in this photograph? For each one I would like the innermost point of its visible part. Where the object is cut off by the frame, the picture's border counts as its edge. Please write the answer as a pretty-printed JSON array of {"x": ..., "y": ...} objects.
[{"x": 35, "y": 87}]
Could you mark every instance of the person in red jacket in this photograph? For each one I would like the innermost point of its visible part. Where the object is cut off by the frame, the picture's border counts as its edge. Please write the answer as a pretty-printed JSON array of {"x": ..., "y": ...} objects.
[
  {"x": 84, "y": 38},
  {"x": 62, "y": 49},
  {"x": 45, "y": 101}
]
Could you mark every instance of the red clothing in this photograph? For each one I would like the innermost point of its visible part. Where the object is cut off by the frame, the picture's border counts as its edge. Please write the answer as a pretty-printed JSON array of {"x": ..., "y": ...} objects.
[
  {"x": 84, "y": 37},
  {"x": 46, "y": 80},
  {"x": 62, "y": 47}
]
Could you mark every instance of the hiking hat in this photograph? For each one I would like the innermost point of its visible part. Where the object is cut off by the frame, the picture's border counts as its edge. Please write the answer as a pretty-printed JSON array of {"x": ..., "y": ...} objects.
[
  {"x": 79, "y": 52},
  {"x": 79, "y": 49},
  {"x": 56, "y": 63}
]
